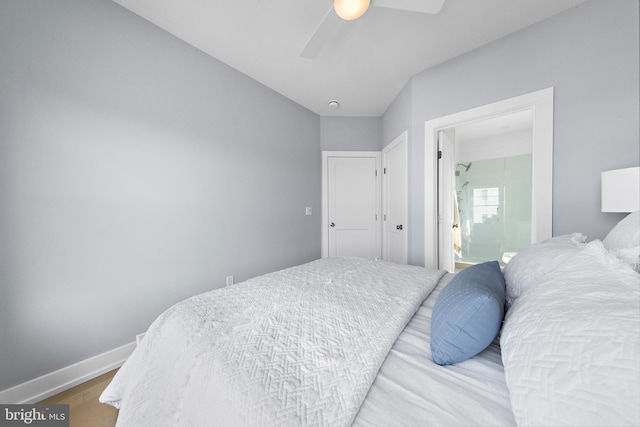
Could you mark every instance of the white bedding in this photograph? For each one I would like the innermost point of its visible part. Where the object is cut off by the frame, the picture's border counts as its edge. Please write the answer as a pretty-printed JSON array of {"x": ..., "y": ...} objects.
[
  {"x": 411, "y": 390},
  {"x": 571, "y": 345},
  {"x": 299, "y": 346}
]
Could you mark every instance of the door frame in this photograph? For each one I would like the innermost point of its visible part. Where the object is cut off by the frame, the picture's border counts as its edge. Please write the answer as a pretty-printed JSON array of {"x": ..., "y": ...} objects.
[
  {"x": 403, "y": 138},
  {"x": 325, "y": 195},
  {"x": 541, "y": 104}
]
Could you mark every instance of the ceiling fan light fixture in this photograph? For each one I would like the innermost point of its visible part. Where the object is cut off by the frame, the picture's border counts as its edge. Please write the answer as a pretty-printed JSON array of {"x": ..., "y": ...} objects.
[{"x": 350, "y": 9}]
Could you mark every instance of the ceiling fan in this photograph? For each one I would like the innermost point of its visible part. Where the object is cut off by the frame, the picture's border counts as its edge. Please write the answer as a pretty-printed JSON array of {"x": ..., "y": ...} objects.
[{"x": 347, "y": 10}]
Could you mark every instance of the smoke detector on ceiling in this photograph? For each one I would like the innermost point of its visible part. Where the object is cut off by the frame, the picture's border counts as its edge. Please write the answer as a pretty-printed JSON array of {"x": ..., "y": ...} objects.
[{"x": 334, "y": 105}]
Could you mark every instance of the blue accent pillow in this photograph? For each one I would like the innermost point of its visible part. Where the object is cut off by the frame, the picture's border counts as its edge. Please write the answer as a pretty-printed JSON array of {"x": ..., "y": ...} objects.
[{"x": 468, "y": 313}]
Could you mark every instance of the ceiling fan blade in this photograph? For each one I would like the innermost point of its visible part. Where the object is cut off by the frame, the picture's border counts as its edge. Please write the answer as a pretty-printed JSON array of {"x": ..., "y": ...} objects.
[
  {"x": 327, "y": 28},
  {"x": 422, "y": 6}
]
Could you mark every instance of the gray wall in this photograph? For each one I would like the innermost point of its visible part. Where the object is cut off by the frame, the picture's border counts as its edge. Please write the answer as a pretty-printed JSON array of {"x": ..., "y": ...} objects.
[
  {"x": 134, "y": 171},
  {"x": 351, "y": 133},
  {"x": 590, "y": 55},
  {"x": 399, "y": 115}
]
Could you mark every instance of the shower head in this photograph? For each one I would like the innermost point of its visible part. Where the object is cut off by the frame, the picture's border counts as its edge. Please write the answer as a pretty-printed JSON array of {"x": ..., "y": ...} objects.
[{"x": 466, "y": 167}]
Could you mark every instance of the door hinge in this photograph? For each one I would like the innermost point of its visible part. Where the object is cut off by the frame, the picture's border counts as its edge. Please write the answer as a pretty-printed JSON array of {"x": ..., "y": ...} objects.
[
  {"x": 384, "y": 171},
  {"x": 439, "y": 154},
  {"x": 384, "y": 217},
  {"x": 376, "y": 172}
]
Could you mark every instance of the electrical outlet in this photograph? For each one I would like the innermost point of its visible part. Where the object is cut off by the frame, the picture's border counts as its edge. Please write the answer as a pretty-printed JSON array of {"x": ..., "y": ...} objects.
[{"x": 229, "y": 280}]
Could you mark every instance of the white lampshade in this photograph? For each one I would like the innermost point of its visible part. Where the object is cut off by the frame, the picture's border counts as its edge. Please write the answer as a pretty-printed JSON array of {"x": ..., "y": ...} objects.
[
  {"x": 350, "y": 9},
  {"x": 621, "y": 190}
]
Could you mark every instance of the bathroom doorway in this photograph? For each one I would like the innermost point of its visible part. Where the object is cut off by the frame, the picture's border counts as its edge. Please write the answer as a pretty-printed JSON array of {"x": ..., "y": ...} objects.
[
  {"x": 493, "y": 192},
  {"x": 492, "y": 186}
]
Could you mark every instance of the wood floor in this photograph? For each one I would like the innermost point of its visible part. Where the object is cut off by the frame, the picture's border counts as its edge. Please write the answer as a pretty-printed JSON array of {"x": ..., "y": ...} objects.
[{"x": 84, "y": 408}]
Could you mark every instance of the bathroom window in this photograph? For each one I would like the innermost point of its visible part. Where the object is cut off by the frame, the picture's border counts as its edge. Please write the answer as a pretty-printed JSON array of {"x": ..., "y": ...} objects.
[{"x": 485, "y": 204}]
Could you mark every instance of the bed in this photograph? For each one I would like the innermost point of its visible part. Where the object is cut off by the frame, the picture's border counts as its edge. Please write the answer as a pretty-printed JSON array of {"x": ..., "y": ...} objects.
[{"x": 554, "y": 340}]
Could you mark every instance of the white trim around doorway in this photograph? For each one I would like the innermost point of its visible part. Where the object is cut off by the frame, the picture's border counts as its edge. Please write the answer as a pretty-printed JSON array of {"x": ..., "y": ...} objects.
[{"x": 541, "y": 104}]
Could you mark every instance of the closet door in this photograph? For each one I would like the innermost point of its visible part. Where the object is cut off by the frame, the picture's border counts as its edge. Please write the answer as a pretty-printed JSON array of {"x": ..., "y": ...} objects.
[
  {"x": 394, "y": 200},
  {"x": 351, "y": 212}
]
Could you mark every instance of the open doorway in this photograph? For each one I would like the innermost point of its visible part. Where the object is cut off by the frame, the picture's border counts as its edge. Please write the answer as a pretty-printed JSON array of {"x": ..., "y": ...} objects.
[
  {"x": 493, "y": 188},
  {"x": 485, "y": 197}
]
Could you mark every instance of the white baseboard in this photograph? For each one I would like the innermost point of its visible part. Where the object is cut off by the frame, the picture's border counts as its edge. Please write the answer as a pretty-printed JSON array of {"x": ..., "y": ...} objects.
[{"x": 63, "y": 379}]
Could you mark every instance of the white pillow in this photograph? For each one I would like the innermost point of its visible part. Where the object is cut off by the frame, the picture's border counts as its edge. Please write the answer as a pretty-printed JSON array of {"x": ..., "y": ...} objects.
[
  {"x": 531, "y": 263},
  {"x": 624, "y": 240},
  {"x": 571, "y": 345}
]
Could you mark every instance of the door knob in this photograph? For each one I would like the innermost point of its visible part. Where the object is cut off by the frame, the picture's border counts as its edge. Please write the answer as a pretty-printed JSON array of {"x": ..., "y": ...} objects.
[
  {"x": 333, "y": 224},
  {"x": 399, "y": 227}
]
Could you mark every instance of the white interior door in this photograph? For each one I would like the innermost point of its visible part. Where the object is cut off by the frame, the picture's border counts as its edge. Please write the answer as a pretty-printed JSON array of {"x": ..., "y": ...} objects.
[
  {"x": 446, "y": 194},
  {"x": 394, "y": 196},
  {"x": 352, "y": 206}
]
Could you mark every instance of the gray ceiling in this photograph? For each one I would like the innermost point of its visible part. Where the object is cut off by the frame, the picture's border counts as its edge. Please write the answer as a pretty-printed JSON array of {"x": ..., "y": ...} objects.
[{"x": 363, "y": 65}]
